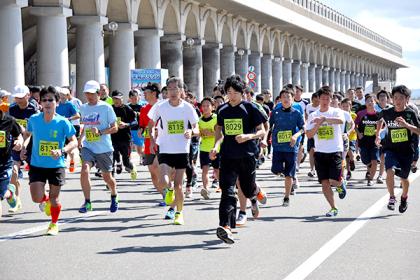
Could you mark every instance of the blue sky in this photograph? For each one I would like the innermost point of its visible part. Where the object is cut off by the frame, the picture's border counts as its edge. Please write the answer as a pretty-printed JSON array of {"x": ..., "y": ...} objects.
[{"x": 398, "y": 21}]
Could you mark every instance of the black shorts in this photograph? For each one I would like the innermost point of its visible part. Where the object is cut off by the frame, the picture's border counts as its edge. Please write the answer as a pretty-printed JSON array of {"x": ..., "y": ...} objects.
[
  {"x": 77, "y": 128},
  {"x": 328, "y": 166},
  {"x": 302, "y": 139},
  {"x": 54, "y": 176},
  {"x": 177, "y": 161},
  {"x": 148, "y": 159},
  {"x": 310, "y": 144},
  {"x": 205, "y": 160}
]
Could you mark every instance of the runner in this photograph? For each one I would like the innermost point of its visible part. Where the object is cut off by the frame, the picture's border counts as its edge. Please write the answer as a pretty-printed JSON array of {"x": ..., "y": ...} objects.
[
  {"x": 207, "y": 125},
  {"x": 121, "y": 140},
  {"x": 104, "y": 94},
  {"x": 136, "y": 137},
  {"x": 10, "y": 139},
  {"x": 76, "y": 123},
  {"x": 398, "y": 144},
  {"x": 151, "y": 94},
  {"x": 310, "y": 145},
  {"x": 49, "y": 132},
  {"x": 287, "y": 124},
  {"x": 4, "y": 101},
  {"x": 303, "y": 103},
  {"x": 346, "y": 106},
  {"x": 366, "y": 122},
  {"x": 99, "y": 121},
  {"x": 21, "y": 110},
  {"x": 175, "y": 115},
  {"x": 324, "y": 125},
  {"x": 239, "y": 124}
]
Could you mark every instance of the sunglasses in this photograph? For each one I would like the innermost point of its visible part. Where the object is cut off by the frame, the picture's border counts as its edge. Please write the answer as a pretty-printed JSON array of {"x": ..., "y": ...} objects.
[{"x": 48, "y": 100}]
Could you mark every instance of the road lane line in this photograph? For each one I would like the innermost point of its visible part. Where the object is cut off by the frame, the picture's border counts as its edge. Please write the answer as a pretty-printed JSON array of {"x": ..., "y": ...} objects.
[
  {"x": 337, "y": 241},
  {"x": 44, "y": 227}
]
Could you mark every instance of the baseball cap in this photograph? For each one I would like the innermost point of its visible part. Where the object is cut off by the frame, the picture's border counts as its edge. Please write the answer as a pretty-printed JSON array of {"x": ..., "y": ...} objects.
[
  {"x": 151, "y": 87},
  {"x": 4, "y": 93},
  {"x": 117, "y": 94},
  {"x": 91, "y": 86},
  {"x": 20, "y": 91}
]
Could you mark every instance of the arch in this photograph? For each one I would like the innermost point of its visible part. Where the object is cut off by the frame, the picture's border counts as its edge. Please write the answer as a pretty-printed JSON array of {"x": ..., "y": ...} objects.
[
  {"x": 84, "y": 7},
  {"x": 171, "y": 20},
  {"x": 210, "y": 30},
  {"x": 192, "y": 25},
  {"x": 146, "y": 15},
  {"x": 276, "y": 44},
  {"x": 295, "y": 49},
  {"x": 287, "y": 48},
  {"x": 117, "y": 11},
  {"x": 226, "y": 37},
  {"x": 253, "y": 40},
  {"x": 266, "y": 49},
  {"x": 241, "y": 39}
]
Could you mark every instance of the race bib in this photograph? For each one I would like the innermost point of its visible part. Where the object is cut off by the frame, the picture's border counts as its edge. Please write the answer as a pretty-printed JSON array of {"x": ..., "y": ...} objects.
[
  {"x": 146, "y": 133},
  {"x": 233, "y": 127},
  {"x": 369, "y": 130},
  {"x": 176, "y": 127},
  {"x": 91, "y": 137},
  {"x": 2, "y": 139},
  {"x": 118, "y": 120},
  {"x": 45, "y": 147},
  {"x": 399, "y": 135},
  {"x": 284, "y": 136},
  {"x": 326, "y": 133},
  {"x": 23, "y": 123}
]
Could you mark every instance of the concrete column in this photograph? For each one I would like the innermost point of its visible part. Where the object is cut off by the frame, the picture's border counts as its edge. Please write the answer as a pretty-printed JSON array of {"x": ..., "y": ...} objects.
[
  {"x": 277, "y": 76},
  {"x": 255, "y": 60},
  {"x": 325, "y": 76},
  {"x": 358, "y": 82},
  {"x": 364, "y": 79},
  {"x": 318, "y": 77},
  {"x": 287, "y": 71},
  {"x": 193, "y": 67},
  {"x": 348, "y": 80},
  {"x": 337, "y": 80},
  {"x": 296, "y": 80},
  {"x": 90, "y": 57},
  {"x": 312, "y": 85},
  {"x": 304, "y": 76},
  {"x": 211, "y": 66},
  {"x": 52, "y": 58},
  {"x": 148, "y": 48},
  {"x": 267, "y": 72},
  {"x": 241, "y": 64},
  {"x": 343, "y": 81},
  {"x": 227, "y": 62},
  {"x": 121, "y": 57},
  {"x": 352, "y": 80},
  {"x": 171, "y": 54},
  {"x": 12, "y": 66},
  {"x": 332, "y": 79}
]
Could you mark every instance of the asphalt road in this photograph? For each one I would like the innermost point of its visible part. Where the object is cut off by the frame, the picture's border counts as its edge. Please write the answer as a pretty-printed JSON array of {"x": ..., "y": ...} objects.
[{"x": 365, "y": 241}]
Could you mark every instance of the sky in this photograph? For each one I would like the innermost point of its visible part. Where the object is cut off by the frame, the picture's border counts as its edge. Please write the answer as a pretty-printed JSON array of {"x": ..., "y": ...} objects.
[{"x": 398, "y": 21}]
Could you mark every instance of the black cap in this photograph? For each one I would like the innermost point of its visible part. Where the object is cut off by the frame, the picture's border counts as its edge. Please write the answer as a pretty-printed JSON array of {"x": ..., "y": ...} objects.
[
  {"x": 151, "y": 87},
  {"x": 117, "y": 94}
]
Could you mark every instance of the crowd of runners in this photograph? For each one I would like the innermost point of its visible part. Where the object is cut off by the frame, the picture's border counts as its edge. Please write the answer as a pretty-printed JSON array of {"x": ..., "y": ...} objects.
[{"x": 228, "y": 135}]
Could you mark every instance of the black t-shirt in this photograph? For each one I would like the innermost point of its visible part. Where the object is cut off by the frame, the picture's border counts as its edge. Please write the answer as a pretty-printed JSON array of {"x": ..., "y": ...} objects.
[
  {"x": 9, "y": 129},
  {"x": 399, "y": 139},
  {"x": 22, "y": 114},
  {"x": 356, "y": 106},
  {"x": 127, "y": 115},
  {"x": 270, "y": 105},
  {"x": 367, "y": 126},
  {"x": 240, "y": 119},
  {"x": 136, "y": 108}
]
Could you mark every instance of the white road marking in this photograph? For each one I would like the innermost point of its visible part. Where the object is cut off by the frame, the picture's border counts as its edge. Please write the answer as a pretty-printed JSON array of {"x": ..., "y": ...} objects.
[
  {"x": 337, "y": 241},
  {"x": 44, "y": 227}
]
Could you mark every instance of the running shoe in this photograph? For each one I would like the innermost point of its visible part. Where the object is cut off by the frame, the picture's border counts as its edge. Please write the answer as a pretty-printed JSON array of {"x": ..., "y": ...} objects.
[
  {"x": 194, "y": 180},
  {"x": 71, "y": 167},
  {"x": 17, "y": 207},
  {"x": 332, "y": 213},
  {"x": 162, "y": 203},
  {"x": 205, "y": 194},
  {"x": 225, "y": 234},
  {"x": 215, "y": 184},
  {"x": 348, "y": 176},
  {"x": 262, "y": 197},
  {"x": 188, "y": 192},
  {"x": 311, "y": 173},
  {"x": 118, "y": 169},
  {"x": 179, "y": 218},
  {"x": 98, "y": 174},
  {"x": 170, "y": 215},
  {"x": 303, "y": 158},
  {"x": 358, "y": 157},
  {"x": 414, "y": 168},
  {"x": 114, "y": 205},
  {"x": 370, "y": 183},
  {"x": 352, "y": 165},
  {"x": 295, "y": 184},
  {"x": 133, "y": 174},
  {"x": 292, "y": 191},
  {"x": 403, "y": 205},
  {"x": 379, "y": 180},
  {"x": 255, "y": 209},
  {"x": 367, "y": 175},
  {"x": 342, "y": 190},
  {"x": 241, "y": 220},
  {"x": 87, "y": 206},
  {"x": 169, "y": 196},
  {"x": 52, "y": 229},
  {"x": 12, "y": 200},
  {"x": 286, "y": 202},
  {"x": 391, "y": 203}
]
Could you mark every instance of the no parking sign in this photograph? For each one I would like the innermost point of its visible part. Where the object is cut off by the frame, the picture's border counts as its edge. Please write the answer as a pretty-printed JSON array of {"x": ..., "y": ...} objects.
[{"x": 251, "y": 76}]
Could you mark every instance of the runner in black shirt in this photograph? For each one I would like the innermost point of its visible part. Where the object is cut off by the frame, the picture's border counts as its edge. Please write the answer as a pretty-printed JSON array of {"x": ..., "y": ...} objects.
[{"x": 401, "y": 123}]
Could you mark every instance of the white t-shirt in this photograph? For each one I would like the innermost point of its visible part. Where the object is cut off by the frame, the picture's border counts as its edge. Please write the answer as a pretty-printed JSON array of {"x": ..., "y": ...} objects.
[
  {"x": 77, "y": 103},
  {"x": 151, "y": 112},
  {"x": 329, "y": 138},
  {"x": 310, "y": 109},
  {"x": 347, "y": 118},
  {"x": 173, "y": 123}
]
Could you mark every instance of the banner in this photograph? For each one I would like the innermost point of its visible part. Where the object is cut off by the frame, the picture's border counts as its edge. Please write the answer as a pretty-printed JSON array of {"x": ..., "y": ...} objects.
[{"x": 140, "y": 77}]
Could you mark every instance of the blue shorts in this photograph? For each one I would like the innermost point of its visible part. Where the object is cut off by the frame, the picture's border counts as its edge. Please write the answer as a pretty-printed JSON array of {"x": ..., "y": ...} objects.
[
  {"x": 369, "y": 154},
  {"x": 138, "y": 141},
  {"x": 400, "y": 162},
  {"x": 5, "y": 175},
  {"x": 284, "y": 163}
]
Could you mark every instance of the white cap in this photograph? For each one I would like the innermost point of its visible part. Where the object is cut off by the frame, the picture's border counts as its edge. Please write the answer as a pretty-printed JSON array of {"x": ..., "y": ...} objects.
[
  {"x": 20, "y": 91},
  {"x": 4, "y": 93},
  {"x": 91, "y": 86}
]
